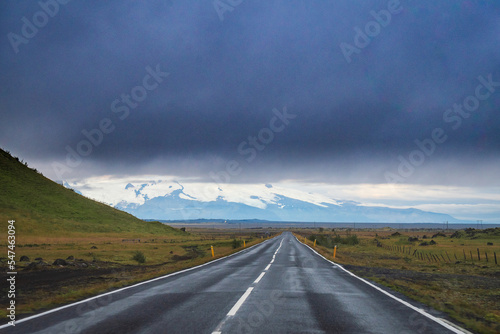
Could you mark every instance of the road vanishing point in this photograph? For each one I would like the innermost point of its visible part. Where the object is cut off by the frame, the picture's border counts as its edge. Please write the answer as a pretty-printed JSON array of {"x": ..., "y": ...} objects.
[{"x": 278, "y": 286}]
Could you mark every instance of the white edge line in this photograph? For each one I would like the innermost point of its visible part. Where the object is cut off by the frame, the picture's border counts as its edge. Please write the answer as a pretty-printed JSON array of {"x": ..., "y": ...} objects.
[
  {"x": 260, "y": 277},
  {"x": 430, "y": 316},
  {"x": 131, "y": 286},
  {"x": 240, "y": 302},
  {"x": 268, "y": 266}
]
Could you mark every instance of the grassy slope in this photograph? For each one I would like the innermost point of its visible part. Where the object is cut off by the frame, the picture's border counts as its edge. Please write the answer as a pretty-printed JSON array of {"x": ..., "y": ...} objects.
[{"x": 42, "y": 207}]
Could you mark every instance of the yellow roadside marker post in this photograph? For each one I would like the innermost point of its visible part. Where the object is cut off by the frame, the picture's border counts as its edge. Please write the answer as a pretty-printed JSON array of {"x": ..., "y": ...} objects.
[
  {"x": 305, "y": 240},
  {"x": 314, "y": 243},
  {"x": 334, "y": 251},
  {"x": 212, "y": 247},
  {"x": 244, "y": 244}
]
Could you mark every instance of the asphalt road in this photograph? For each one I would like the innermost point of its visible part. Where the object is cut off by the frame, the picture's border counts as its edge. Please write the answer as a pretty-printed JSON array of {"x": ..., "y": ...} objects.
[{"x": 279, "y": 286}]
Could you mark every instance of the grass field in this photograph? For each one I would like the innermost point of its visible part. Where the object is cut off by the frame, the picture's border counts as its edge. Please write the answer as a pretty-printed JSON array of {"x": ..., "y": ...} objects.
[{"x": 434, "y": 273}]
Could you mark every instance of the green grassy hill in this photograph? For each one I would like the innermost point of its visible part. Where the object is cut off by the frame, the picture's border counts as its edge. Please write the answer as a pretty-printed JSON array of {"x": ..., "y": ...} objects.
[{"x": 42, "y": 207}]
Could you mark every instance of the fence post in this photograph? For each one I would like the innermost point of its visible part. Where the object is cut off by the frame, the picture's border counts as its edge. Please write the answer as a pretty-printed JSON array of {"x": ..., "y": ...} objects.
[
  {"x": 465, "y": 258},
  {"x": 495, "y": 253},
  {"x": 478, "y": 255},
  {"x": 486, "y": 254}
]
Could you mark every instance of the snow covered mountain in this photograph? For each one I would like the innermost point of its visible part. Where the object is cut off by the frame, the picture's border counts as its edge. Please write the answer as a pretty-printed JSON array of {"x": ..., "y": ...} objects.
[{"x": 170, "y": 200}]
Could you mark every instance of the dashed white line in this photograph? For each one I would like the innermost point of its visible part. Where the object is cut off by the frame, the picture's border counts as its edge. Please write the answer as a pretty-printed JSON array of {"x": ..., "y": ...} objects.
[
  {"x": 242, "y": 299},
  {"x": 240, "y": 302},
  {"x": 260, "y": 277}
]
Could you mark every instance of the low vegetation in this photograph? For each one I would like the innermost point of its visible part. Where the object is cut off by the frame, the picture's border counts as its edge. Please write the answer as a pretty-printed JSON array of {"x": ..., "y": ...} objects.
[
  {"x": 456, "y": 272},
  {"x": 139, "y": 257}
]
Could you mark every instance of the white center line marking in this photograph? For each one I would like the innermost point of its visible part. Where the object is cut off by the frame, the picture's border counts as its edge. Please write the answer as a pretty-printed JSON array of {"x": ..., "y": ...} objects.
[
  {"x": 240, "y": 302},
  {"x": 260, "y": 277},
  {"x": 242, "y": 299}
]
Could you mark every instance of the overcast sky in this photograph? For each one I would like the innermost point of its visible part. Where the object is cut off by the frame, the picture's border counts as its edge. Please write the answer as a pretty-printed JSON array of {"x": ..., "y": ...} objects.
[{"x": 336, "y": 92}]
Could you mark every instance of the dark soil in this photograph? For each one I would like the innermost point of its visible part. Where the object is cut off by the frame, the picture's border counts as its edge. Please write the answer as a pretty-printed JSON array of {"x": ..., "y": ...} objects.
[{"x": 45, "y": 279}]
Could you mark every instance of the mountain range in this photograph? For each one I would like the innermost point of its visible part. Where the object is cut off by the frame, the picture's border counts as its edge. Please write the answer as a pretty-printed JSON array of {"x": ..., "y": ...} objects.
[{"x": 170, "y": 200}]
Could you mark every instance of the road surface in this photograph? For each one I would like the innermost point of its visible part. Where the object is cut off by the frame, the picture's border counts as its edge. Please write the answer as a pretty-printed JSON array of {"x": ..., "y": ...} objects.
[{"x": 279, "y": 286}]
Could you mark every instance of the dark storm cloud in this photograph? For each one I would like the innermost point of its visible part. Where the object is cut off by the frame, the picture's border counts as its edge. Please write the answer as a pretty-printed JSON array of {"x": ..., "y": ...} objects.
[{"x": 225, "y": 78}]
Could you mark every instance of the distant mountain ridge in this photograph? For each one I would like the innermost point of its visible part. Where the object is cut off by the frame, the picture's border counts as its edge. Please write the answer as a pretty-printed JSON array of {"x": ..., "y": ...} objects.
[
  {"x": 174, "y": 207},
  {"x": 173, "y": 201}
]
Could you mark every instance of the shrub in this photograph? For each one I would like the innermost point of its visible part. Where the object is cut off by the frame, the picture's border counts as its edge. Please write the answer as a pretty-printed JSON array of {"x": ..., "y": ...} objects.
[
  {"x": 139, "y": 257},
  {"x": 351, "y": 240},
  {"x": 329, "y": 242},
  {"x": 237, "y": 243},
  {"x": 458, "y": 234}
]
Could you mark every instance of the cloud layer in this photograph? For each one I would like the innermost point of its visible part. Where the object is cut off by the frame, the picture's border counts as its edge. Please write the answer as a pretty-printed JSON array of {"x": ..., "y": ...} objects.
[{"x": 353, "y": 123}]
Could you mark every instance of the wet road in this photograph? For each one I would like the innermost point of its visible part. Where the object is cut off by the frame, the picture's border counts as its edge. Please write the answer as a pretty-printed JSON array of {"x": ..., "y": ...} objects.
[{"x": 279, "y": 286}]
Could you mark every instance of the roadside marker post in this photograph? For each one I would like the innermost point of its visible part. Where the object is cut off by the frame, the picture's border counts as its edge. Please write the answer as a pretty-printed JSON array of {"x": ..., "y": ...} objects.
[
  {"x": 244, "y": 244},
  {"x": 314, "y": 243},
  {"x": 305, "y": 240},
  {"x": 212, "y": 247},
  {"x": 334, "y": 251}
]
